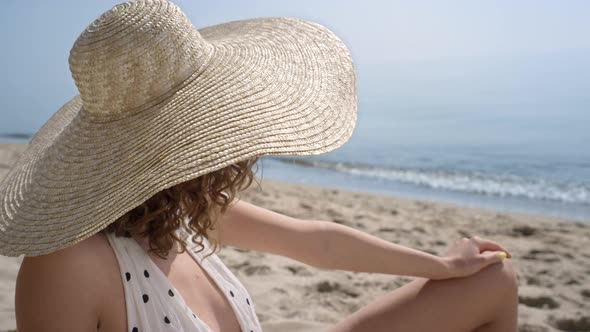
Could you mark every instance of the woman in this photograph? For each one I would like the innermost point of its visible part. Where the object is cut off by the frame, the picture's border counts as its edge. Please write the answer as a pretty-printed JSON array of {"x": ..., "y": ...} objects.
[{"x": 123, "y": 196}]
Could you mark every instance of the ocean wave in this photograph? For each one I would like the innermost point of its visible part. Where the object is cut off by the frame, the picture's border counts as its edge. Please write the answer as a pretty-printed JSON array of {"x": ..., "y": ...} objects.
[
  {"x": 504, "y": 185},
  {"x": 15, "y": 135}
]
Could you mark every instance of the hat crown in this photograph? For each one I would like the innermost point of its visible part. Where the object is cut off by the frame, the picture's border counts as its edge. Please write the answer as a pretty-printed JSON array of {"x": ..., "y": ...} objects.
[{"x": 134, "y": 54}]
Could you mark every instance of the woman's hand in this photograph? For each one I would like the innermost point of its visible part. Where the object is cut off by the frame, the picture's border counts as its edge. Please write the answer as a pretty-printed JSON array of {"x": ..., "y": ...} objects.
[{"x": 469, "y": 255}]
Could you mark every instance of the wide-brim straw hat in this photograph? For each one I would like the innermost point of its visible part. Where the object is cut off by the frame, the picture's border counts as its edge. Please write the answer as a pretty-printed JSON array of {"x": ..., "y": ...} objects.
[{"x": 160, "y": 103}]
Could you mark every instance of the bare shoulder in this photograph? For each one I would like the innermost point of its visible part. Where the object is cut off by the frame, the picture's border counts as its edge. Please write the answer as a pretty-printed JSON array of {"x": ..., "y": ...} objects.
[{"x": 64, "y": 290}]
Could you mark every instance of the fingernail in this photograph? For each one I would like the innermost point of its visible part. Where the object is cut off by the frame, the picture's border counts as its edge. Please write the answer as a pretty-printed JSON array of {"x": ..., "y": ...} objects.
[{"x": 502, "y": 255}]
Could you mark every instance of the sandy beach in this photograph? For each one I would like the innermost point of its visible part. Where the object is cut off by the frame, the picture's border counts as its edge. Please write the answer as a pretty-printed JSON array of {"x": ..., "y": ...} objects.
[{"x": 552, "y": 257}]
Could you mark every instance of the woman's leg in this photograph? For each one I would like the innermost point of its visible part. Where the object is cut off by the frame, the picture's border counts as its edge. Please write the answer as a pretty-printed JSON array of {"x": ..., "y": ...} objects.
[{"x": 485, "y": 301}]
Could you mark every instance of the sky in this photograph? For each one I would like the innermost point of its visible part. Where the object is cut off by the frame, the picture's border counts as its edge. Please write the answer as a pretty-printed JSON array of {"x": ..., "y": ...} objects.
[{"x": 407, "y": 53}]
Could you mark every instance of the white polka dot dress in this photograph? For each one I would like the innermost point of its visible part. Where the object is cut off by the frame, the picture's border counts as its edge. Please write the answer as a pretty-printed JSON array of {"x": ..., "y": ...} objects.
[{"x": 154, "y": 305}]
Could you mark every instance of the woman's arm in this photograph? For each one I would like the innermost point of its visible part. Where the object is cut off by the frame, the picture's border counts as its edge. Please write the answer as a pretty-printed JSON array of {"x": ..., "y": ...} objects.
[
  {"x": 329, "y": 245},
  {"x": 344, "y": 248},
  {"x": 323, "y": 244}
]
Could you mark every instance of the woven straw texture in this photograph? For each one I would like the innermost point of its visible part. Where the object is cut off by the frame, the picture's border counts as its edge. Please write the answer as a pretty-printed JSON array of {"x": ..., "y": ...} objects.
[{"x": 160, "y": 103}]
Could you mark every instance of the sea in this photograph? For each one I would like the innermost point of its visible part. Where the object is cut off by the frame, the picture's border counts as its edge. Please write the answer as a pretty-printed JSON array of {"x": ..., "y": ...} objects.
[
  {"x": 505, "y": 157},
  {"x": 531, "y": 159}
]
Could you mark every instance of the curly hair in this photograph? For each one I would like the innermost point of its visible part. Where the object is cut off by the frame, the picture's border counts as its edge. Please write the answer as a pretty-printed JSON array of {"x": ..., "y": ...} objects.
[{"x": 200, "y": 200}]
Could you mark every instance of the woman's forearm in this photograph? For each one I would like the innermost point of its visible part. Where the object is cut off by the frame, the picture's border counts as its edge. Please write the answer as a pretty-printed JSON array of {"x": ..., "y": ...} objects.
[{"x": 335, "y": 246}]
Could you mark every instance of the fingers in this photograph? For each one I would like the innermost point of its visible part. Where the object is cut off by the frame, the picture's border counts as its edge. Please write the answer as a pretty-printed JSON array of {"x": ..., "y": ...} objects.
[
  {"x": 488, "y": 245},
  {"x": 490, "y": 257}
]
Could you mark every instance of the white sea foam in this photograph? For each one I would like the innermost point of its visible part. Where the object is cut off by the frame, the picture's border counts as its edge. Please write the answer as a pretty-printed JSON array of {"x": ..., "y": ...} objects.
[{"x": 504, "y": 185}]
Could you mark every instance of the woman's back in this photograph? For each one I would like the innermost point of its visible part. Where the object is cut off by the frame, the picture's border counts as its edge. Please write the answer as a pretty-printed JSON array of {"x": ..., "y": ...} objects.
[{"x": 103, "y": 274}]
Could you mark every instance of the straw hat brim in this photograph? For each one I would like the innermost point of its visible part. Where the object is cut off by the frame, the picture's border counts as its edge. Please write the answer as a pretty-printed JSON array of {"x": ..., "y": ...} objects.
[{"x": 278, "y": 86}]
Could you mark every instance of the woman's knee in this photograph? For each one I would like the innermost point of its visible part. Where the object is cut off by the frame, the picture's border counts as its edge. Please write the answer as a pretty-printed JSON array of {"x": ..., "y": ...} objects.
[
  {"x": 483, "y": 296},
  {"x": 503, "y": 275},
  {"x": 510, "y": 271}
]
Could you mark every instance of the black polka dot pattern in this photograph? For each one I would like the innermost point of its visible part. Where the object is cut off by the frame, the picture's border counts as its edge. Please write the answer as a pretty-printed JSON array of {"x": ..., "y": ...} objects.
[{"x": 158, "y": 287}]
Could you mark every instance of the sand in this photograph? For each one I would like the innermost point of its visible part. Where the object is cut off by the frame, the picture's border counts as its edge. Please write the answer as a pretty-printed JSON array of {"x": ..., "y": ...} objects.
[{"x": 552, "y": 257}]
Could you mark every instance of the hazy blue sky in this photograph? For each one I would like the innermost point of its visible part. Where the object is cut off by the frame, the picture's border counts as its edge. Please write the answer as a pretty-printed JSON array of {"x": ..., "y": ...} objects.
[{"x": 409, "y": 52}]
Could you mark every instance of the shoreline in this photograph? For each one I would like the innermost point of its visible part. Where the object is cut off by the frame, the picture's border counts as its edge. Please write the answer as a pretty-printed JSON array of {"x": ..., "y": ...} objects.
[
  {"x": 336, "y": 178},
  {"x": 549, "y": 254},
  {"x": 474, "y": 209}
]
